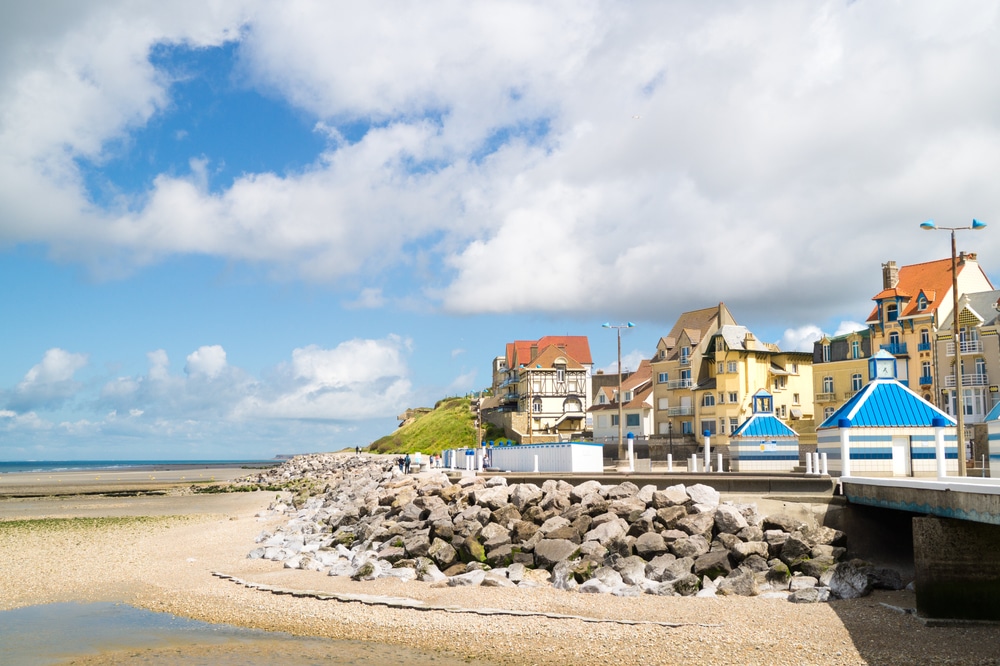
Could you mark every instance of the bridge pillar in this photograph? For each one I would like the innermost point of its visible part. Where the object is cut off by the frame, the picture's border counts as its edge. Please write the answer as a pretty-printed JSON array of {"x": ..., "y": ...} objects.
[{"x": 957, "y": 566}]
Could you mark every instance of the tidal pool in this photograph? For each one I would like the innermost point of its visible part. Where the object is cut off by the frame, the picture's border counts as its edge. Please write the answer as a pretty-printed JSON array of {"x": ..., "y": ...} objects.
[{"x": 110, "y": 633}]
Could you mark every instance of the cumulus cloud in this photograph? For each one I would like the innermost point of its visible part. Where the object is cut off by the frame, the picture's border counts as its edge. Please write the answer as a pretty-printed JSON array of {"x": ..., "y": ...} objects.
[
  {"x": 715, "y": 149},
  {"x": 208, "y": 362},
  {"x": 800, "y": 339},
  {"x": 50, "y": 383}
]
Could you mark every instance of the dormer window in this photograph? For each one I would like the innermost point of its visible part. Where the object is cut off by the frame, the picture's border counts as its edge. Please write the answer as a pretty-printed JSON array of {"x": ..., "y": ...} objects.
[
  {"x": 826, "y": 352},
  {"x": 891, "y": 312},
  {"x": 921, "y": 302}
]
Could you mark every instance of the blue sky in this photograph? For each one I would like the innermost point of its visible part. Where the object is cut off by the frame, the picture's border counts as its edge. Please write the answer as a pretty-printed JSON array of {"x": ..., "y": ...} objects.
[{"x": 233, "y": 230}]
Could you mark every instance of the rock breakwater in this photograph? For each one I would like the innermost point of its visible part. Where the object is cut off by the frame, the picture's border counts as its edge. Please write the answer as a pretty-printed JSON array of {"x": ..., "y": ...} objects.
[{"x": 359, "y": 517}]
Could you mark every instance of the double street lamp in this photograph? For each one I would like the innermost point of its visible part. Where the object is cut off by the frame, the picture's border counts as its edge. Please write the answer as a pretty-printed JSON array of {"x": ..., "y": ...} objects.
[
  {"x": 621, "y": 439},
  {"x": 956, "y": 333}
]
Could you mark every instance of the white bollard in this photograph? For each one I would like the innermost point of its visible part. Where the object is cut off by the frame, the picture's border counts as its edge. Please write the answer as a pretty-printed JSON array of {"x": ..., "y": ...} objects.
[
  {"x": 694, "y": 463},
  {"x": 718, "y": 462},
  {"x": 536, "y": 463},
  {"x": 816, "y": 462},
  {"x": 708, "y": 459},
  {"x": 822, "y": 459},
  {"x": 631, "y": 457},
  {"x": 670, "y": 462},
  {"x": 809, "y": 464}
]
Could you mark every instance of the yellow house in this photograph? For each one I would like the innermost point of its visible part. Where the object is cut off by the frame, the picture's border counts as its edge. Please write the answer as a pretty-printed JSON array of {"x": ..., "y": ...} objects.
[{"x": 839, "y": 369}]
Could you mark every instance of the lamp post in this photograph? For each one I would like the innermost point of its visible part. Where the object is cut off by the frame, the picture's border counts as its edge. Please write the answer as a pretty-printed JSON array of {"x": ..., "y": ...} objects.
[
  {"x": 956, "y": 332},
  {"x": 621, "y": 439}
]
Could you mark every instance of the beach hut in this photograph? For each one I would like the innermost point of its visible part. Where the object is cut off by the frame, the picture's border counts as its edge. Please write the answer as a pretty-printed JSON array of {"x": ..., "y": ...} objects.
[
  {"x": 888, "y": 429},
  {"x": 993, "y": 430},
  {"x": 763, "y": 443}
]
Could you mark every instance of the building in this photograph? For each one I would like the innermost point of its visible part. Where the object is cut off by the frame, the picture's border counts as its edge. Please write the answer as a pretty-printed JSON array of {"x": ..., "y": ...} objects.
[
  {"x": 909, "y": 312},
  {"x": 839, "y": 369},
  {"x": 541, "y": 389},
  {"x": 675, "y": 367},
  {"x": 979, "y": 321},
  {"x": 637, "y": 406},
  {"x": 707, "y": 370},
  {"x": 890, "y": 430}
]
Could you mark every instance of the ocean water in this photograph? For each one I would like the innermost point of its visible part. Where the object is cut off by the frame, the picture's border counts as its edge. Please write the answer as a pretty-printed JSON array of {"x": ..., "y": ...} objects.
[
  {"x": 38, "y": 466},
  {"x": 110, "y": 633}
]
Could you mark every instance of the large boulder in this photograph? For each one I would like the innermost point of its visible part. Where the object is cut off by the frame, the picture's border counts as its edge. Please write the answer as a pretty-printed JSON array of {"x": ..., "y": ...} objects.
[
  {"x": 697, "y": 523},
  {"x": 443, "y": 553},
  {"x": 650, "y": 545},
  {"x": 729, "y": 520},
  {"x": 702, "y": 494},
  {"x": 523, "y": 495},
  {"x": 692, "y": 546},
  {"x": 713, "y": 564},
  {"x": 671, "y": 496},
  {"x": 549, "y": 552}
]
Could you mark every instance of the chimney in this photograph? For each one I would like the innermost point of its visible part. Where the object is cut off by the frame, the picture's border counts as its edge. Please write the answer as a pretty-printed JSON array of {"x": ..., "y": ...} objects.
[{"x": 890, "y": 275}]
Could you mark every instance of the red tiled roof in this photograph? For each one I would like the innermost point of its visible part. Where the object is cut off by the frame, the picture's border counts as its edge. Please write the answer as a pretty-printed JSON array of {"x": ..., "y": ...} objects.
[
  {"x": 576, "y": 347},
  {"x": 933, "y": 278}
]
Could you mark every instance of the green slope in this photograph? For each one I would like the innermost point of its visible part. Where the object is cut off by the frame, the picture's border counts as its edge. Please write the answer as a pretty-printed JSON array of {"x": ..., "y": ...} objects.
[{"x": 449, "y": 425}]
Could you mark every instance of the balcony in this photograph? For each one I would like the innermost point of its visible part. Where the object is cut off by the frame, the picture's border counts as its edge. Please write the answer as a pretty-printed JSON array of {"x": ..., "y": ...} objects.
[
  {"x": 849, "y": 394},
  {"x": 926, "y": 380},
  {"x": 680, "y": 411},
  {"x": 895, "y": 348},
  {"x": 680, "y": 383},
  {"x": 685, "y": 360},
  {"x": 968, "y": 347},
  {"x": 826, "y": 397},
  {"x": 975, "y": 379},
  {"x": 924, "y": 346}
]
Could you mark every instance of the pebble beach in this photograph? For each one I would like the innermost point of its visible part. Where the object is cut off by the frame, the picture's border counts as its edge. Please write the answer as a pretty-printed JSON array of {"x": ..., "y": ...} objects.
[{"x": 165, "y": 553}]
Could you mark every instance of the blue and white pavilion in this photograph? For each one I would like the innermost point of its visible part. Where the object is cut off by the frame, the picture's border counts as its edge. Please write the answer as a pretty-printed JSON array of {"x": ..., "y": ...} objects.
[
  {"x": 993, "y": 429},
  {"x": 888, "y": 429},
  {"x": 763, "y": 443}
]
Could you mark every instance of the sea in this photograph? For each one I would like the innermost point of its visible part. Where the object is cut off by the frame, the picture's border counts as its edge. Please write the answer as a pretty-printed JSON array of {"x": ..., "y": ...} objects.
[{"x": 39, "y": 466}]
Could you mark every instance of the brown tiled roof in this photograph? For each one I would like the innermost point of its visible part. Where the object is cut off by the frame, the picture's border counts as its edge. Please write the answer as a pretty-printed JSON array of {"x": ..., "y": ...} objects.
[
  {"x": 547, "y": 358},
  {"x": 695, "y": 323}
]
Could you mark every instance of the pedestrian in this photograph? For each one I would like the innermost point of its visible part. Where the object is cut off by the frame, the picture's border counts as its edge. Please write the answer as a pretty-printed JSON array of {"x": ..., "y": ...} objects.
[
  {"x": 399, "y": 461},
  {"x": 357, "y": 450},
  {"x": 406, "y": 464}
]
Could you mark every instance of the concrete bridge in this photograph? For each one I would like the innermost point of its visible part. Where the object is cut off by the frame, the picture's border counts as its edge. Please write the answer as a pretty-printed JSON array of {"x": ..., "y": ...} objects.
[{"x": 956, "y": 541}]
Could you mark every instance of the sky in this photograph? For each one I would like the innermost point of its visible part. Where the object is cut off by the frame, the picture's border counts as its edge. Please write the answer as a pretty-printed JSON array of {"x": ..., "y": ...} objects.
[{"x": 235, "y": 229}]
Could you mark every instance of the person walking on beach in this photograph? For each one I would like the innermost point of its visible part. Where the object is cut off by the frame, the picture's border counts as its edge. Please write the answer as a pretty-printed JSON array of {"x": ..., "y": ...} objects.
[{"x": 406, "y": 464}]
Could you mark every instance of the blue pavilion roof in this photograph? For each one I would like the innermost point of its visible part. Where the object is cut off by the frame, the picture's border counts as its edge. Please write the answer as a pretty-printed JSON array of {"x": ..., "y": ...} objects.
[
  {"x": 763, "y": 425},
  {"x": 994, "y": 413},
  {"x": 885, "y": 403}
]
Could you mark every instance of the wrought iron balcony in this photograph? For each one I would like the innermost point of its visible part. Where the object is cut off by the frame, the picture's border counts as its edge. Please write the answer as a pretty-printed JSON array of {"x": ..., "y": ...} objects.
[
  {"x": 926, "y": 380},
  {"x": 895, "y": 348},
  {"x": 923, "y": 346}
]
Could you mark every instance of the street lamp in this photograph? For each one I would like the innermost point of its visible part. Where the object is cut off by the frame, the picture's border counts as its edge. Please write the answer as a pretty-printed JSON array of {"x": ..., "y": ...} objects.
[
  {"x": 621, "y": 439},
  {"x": 956, "y": 331}
]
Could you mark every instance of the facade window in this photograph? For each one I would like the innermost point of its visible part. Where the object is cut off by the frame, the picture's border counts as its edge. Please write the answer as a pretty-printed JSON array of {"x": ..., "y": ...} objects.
[
  {"x": 663, "y": 403},
  {"x": 536, "y": 405},
  {"x": 921, "y": 302},
  {"x": 734, "y": 397},
  {"x": 708, "y": 425},
  {"x": 614, "y": 420},
  {"x": 628, "y": 396},
  {"x": 685, "y": 375},
  {"x": 827, "y": 413},
  {"x": 856, "y": 381},
  {"x": 925, "y": 337},
  {"x": 828, "y": 385},
  {"x": 894, "y": 338},
  {"x": 708, "y": 400},
  {"x": 686, "y": 428},
  {"x": 560, "y": 374},
  {"x": 685, "y": 355},
  {"x": 720, "y": 368},
  {"x": 602, "y": 399},
  {"x": 632, "y": 420},
  {"x": 572, "y": 405},
  {"x": 722, "y": 426},
  {"x": 733, "y": 367},
  {"x": 981, "y": 368},
  {"x": 734, "y": 423},
  {"x": 925, "y": 369},
  {"x": 795, "y": 369},
  {"x": 722, "y": 398},
  {"x": 891, "y": 312},
  {"x": 855, "y": 348},
  {"x": 826, "y": 353},
  {"x": 779, "y": 383},
  {"x": 795, "y": 398},
  {"x": 662, "y": 378},
  {"x": 782, "y": 412}
]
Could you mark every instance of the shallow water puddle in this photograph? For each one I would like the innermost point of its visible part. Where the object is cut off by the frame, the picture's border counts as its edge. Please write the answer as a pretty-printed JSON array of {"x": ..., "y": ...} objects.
[{"x": 109, "y": 633}]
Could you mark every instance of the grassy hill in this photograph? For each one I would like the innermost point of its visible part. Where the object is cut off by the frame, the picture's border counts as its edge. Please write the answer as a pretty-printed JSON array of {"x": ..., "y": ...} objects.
[{"x": 449, "y": 425}]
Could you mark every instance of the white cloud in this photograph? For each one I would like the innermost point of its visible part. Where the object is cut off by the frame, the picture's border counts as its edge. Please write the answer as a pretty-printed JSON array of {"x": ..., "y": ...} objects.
[
  {"x": 50, "y": 383},
  {"x": 208, "y": 361},
  {"x": 846, "y": 327},
  {"x": 801, "y": 338},
  {"x": 774, "y": 146}
]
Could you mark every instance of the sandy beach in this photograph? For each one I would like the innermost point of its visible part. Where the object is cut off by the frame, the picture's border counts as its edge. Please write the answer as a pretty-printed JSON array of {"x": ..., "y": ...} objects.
[{"x": 160, "y": 552}]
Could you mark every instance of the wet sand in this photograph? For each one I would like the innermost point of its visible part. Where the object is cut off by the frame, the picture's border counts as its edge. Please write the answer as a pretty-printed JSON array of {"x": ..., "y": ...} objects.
[{"x": 161, "y": 553}]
